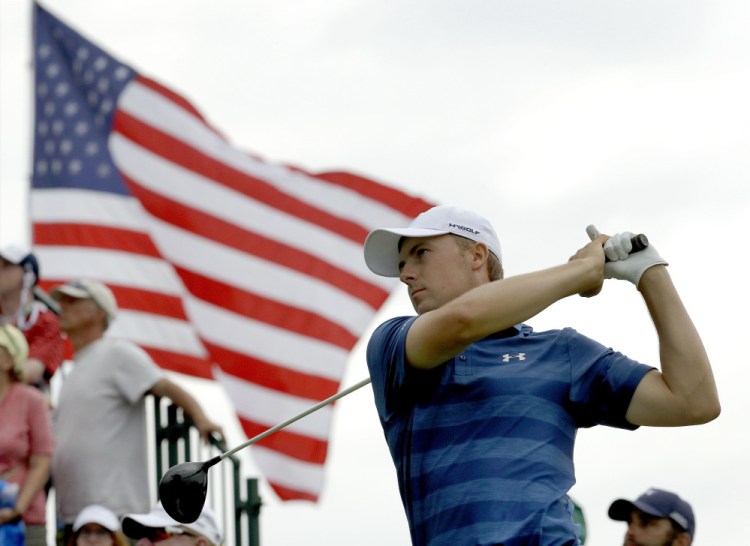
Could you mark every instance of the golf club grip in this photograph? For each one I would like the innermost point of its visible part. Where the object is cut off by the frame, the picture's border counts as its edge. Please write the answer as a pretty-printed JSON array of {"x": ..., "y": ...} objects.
[{"x": 639, "y": 242}]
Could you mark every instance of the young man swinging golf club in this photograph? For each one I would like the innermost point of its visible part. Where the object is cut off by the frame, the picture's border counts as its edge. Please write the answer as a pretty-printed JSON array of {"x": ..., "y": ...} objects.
[{"x": 479, "y": 411}]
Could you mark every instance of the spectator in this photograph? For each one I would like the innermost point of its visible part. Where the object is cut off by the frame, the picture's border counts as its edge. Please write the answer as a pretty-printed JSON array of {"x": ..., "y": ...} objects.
[
  {"x": 26, "y": 440},
  {"x": 100, "y": 418},
  {"x": 656, "y": 518},
  {"x": 19, "y": 273},
  {"x": 158, "y": 526},
  {"x": 97, "y": 525}
]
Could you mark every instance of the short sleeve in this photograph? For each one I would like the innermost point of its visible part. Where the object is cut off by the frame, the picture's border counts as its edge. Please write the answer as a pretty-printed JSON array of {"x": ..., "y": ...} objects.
[
  {"x": 386, "y": 360},
  {"x": 45, "y": 342},
  {"x": 602, "y": 382},
  {"x": 134, "y": 371}
]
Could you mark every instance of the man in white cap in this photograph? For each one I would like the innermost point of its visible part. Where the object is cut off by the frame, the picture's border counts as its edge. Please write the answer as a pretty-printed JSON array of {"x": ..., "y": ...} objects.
[
  {"x": 479, "y": 411},
  {"x": 19, "y": 274},
  {"x": 158, "y": 527},
  {"x": 100, "y": 418}
]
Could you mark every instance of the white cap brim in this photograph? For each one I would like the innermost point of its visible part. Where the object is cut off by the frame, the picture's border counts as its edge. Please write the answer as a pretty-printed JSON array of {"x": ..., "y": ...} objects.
[
  {"x": 149, "y": 521},
  {"x": 382, "y": 252},
  {"x": 14, "y": 254},
  {"x": 100, "y": 515},
  {"x": 134, "y": 525},
  {"x": 71, "y": 291}
]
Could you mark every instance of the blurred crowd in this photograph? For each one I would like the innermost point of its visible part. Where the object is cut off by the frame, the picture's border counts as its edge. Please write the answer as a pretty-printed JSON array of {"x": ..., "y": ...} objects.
[{"x": 87, "y": 443}]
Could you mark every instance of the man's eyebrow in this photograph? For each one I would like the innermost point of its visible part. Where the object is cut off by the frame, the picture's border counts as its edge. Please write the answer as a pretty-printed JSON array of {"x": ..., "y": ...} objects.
[{"x": 417, "y": 244}]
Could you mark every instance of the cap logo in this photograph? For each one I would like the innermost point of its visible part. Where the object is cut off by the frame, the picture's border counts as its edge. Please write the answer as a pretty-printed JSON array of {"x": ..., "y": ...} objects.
[{"x": 463, "y": 228}]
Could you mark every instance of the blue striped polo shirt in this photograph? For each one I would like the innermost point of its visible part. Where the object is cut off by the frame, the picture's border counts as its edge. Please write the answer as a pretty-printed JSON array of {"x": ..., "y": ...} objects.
[{"x": 483, "y": 444}]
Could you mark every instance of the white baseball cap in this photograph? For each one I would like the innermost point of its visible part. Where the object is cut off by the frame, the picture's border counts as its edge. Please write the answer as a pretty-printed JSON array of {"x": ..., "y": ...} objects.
[
  {"x": 381, "y": 245},
  {"x": 137, "y": 525},
  {"x": 88, "y": 289},
  {"x": 21, "y": 255},
  {"x": 96, "y": 513}
]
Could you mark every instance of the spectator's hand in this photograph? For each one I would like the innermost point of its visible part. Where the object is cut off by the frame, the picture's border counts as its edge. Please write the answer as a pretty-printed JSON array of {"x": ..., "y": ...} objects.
[
  {"x": 8, "y": 515},
  {"x": 625, "y": 266},
  {"x": 207, "y": 427}
]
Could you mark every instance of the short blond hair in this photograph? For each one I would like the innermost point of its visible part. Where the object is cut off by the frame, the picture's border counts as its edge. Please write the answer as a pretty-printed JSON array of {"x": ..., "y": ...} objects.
[{"x": 494, "y": 265}]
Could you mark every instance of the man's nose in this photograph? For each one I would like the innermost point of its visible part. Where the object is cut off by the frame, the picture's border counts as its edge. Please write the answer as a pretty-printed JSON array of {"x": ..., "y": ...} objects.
[{"x": 407, "y": 273}]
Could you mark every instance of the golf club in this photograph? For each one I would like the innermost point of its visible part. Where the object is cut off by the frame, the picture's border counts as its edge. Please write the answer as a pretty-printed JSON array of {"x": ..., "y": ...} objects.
[{"x": 183, "y": 487}]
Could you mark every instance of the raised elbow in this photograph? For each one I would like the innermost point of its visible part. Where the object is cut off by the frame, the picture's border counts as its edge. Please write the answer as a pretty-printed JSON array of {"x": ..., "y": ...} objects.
[{"x": 709, "y": 413}]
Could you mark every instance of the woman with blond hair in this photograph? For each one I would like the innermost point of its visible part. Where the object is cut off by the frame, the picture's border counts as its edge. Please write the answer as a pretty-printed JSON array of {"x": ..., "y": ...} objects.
[{"x": 26, "y": 439}]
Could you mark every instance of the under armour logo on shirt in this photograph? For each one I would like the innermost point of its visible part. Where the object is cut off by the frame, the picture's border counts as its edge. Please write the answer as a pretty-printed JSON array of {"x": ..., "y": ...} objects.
[{"x": 519, "y": 356}]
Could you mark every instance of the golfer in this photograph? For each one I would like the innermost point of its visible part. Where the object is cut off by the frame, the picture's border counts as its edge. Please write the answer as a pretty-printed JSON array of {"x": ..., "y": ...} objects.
[{"x": 479, "y": 411}]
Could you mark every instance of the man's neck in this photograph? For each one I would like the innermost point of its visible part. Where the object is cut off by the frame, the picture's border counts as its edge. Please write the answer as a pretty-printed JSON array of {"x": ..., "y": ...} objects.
[{"x": 81, "y": 340}]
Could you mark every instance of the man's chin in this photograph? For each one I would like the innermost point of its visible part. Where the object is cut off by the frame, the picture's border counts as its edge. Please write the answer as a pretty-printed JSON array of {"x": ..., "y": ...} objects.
[{"x": 422, "y": 308}]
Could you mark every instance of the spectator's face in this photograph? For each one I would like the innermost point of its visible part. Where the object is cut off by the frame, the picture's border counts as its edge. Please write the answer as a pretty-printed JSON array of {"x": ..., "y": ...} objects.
[
  {"x": 93, "y": 534},
  {"x": 77, "y": 313},
  {"x": 11, "y": 277},
  {"x": 646, "y": 530}
]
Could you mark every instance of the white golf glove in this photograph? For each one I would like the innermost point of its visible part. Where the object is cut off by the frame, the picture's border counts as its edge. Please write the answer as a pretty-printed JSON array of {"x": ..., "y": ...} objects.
[{"x": 623, "y": 265}]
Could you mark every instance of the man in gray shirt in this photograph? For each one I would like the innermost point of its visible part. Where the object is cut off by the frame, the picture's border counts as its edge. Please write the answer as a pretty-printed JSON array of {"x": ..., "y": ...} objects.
[{"x": 100, "y": 454}]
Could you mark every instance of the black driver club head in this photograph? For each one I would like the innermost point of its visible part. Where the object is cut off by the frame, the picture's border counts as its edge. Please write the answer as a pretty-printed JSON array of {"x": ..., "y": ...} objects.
[{"x": 183, "y": 488}]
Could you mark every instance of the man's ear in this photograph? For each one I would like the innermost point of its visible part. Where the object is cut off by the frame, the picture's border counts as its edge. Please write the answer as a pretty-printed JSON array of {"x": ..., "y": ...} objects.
[
  {"x": 683, "y": 539},
  {"x": 480, "y": 253}
]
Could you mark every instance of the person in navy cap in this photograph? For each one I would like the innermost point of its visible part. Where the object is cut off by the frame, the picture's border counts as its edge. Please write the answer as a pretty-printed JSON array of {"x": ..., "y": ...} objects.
[
  {"x": 656, "y": 518},
  {"x": 20, "y": 306}
]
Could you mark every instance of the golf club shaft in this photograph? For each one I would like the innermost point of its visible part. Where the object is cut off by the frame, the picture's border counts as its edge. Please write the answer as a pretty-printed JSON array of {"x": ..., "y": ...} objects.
[{"x": 291, "y": 420}]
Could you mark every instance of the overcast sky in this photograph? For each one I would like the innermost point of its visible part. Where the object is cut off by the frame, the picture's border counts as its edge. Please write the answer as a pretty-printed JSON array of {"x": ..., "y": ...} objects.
[{"x": 543, "y": 115}]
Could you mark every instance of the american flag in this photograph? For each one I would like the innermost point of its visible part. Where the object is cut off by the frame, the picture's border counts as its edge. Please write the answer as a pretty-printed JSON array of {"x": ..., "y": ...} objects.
[{"x": 225, "y": 266}]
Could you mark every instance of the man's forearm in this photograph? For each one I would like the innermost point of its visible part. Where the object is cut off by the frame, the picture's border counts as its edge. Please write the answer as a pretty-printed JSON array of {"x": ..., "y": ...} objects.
[
  {"x": 494, "y": 306},
  {"x": 180, "y": 397},
  {"x": 685, "y": 366}
]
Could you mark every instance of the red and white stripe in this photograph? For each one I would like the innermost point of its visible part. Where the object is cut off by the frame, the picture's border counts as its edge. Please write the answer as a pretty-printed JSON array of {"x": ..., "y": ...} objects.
[{"x": 230, "y": 267}]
